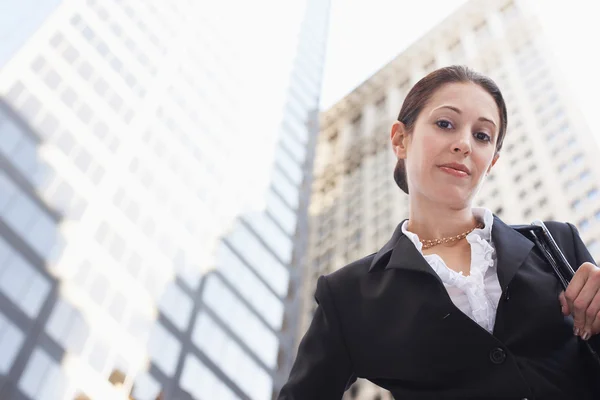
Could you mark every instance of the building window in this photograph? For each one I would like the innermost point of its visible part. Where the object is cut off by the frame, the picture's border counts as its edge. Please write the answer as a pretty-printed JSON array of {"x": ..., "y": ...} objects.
[
  {"x": 429, "y": 66},
  {"x": 594, "y": 248},
  {"x": 577, "y": 159},
  {"x": 584, "y": 225},
  {"x": 11, "y": 339},
  {"x": 67, "y": 326},
  {"x": 164, "y": 349},
  {"x": 482, "y": 30},
  {"x": 585, "y": 175},
  {"x": 42, "y": 375},
  {"x": 455, "y": 50},
  {"x": 380, "y": 106},
  {"x": 357, "y": 125}
]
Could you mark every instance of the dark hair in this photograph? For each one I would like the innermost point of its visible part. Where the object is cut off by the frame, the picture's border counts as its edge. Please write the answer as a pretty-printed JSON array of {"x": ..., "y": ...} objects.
[{"x": 423, "y": 90}]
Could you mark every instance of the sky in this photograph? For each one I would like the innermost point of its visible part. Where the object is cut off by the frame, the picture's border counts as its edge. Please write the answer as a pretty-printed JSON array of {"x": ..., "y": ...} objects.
[{"x": 365, "y": 34}]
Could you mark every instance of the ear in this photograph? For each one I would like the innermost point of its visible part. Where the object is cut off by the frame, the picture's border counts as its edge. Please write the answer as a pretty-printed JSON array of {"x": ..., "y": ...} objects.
[
  {"x": 496, "y": 156},
  {"x": 400, "y": 139}
]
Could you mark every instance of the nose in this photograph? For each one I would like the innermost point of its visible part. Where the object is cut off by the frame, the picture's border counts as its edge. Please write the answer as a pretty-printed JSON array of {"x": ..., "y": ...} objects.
[{"x": 462, "y": 143}]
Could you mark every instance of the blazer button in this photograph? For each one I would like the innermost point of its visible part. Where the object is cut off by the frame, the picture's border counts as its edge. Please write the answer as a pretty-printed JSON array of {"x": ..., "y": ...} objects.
[{"x": 497, "y": 355}]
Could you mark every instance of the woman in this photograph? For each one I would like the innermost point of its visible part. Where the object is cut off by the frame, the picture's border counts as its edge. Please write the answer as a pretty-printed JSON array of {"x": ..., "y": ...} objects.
[{"x": 457, "y": 304}]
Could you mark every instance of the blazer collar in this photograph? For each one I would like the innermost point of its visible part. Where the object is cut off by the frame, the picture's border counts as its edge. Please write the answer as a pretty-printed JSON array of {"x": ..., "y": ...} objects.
[{"x": 511, "y": 247}]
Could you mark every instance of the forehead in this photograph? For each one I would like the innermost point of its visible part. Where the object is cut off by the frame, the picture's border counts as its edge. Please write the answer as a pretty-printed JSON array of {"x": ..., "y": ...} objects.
[{"x": 468, "y": 97}]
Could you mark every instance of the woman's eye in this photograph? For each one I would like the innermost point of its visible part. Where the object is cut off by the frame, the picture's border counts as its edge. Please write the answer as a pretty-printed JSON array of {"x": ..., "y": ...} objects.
[
  {"x": 483, "y": 136},
  {"x": 443, "y": 124}
]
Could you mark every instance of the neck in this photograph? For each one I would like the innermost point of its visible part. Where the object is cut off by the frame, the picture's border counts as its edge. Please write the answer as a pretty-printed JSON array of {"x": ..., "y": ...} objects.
[{"x": 433, "y": 221}]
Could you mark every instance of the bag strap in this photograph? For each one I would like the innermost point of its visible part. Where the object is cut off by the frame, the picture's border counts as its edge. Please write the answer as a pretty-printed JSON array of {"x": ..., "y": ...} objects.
[{"x": 539, "y": 234}]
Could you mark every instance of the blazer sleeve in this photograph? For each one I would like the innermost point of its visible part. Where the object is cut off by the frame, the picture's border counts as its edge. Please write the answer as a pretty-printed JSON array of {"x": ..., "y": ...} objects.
[{"x": 322, "y": 369}]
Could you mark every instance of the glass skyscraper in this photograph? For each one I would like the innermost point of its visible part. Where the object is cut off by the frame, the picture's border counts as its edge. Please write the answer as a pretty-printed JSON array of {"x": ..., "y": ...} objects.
[{"x": 155, "y": 170}]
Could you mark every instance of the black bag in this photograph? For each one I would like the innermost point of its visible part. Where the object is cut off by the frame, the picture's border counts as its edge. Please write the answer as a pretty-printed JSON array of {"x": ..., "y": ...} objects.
[{"x": 540, "y": 235}]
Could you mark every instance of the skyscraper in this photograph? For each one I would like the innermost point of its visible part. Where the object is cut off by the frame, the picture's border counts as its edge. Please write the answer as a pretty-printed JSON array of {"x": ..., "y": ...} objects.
[
  {"x": 547, "y": 167},
  {"x": 155, "y": 166}
]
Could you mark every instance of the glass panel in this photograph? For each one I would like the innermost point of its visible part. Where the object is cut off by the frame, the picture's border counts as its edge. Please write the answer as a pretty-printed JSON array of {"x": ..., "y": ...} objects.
[
  {"x": 285, "y": 188},
  {"x": 176, "y": 305},
  {"x": 7, "y": 191},
  {"x": 35, "y": 373},
  {"x": 5, "y": 251},
  {"x": 295, "y": 149},
  {"x": 67, "y": 326},
  {"x": 15, "y": 279},
  {"x": 98, "y": 356},
  {"x": 11, "y": 339},
  {"x": 249, "y": 286},
  {"x": 55, "y": 385},
  {"x": 164, "y": 349},
  {"x": 202, "y": 383},
  {"x": 43, "y": 235},
  {"x": 245, "y": 324},
  {"x": 260, "y": 259},
  {"x": 20, "y": 214},
  {"x": 146, "y": 387},
  {"x": 282, "y": 213},
  {"x": 34, "y": 297},
  {"x": 291, "y": 168},
  {"x": 230, "y": 357},
  {"x": 10, "y": 136},
  {"x": 276, "y": 239}
]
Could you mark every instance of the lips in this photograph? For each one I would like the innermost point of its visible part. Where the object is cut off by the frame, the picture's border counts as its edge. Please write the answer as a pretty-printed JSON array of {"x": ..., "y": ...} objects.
[{"x": 456, "y": 169}]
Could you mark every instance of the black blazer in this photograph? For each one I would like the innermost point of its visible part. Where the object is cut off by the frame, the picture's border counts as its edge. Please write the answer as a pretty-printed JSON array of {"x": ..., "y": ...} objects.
[{"x": 389, "y": 319}]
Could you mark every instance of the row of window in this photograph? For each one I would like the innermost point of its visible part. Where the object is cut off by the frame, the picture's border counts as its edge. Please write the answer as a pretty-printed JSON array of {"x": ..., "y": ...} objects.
[
  {"x": 102, "y": 48},
  {"x": 87, "y": 72},
  {"x": 29, "y": 220},
  {"x": 590, "y": 197},
  {"x": 140, "y": 23},
  {"x": 150, "y": 277},
  {"x": 21, "y": 150}
]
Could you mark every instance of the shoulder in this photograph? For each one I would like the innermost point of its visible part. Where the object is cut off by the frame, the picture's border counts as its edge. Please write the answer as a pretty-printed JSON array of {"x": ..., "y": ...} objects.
[
  {"x": 347, "y": 277},
  {"x": 564, "y": 233}
]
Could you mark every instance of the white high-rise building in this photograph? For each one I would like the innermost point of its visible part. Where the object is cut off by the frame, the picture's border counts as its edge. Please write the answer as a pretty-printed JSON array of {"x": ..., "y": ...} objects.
[
  {"x": 547, "y": 168},
  {"x": 155, "y": 169}
]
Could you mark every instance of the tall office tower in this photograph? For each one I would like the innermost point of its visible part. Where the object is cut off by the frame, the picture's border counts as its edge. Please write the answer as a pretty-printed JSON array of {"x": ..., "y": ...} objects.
[
  {"x": 155, "y": 170},
  {"x": 547, "y": 168}
]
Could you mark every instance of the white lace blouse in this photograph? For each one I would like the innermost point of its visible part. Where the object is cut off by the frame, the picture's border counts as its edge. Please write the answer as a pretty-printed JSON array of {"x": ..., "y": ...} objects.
[{"x": 476, "y": 295}]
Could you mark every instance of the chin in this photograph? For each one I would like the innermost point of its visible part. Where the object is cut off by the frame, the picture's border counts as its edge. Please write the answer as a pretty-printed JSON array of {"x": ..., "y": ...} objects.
[{"x": 454, "y": 197}]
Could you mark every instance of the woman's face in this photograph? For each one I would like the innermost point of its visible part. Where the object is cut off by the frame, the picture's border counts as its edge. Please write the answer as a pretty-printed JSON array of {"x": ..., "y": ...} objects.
[{"x": 452, "y": 146}]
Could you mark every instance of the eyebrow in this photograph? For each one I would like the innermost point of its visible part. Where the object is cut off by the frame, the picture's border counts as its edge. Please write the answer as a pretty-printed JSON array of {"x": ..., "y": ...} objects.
[{"x": 459, "y": 112}]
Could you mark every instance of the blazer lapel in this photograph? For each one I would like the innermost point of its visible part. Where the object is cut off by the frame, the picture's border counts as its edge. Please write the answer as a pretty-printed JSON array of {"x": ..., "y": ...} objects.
[
  {"x": 512, "y": 249},
  {"x": 400, "y": 253}
]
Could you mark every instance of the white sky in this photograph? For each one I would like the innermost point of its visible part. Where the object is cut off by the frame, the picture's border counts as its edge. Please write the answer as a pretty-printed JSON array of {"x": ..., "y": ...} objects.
[{"x": 365, "y": 34}]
